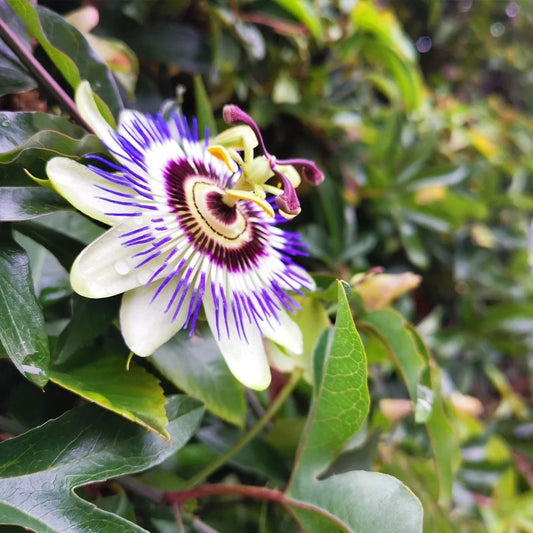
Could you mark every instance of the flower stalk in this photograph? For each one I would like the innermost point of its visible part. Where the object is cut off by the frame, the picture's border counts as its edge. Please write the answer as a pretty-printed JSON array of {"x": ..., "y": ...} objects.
[{"x": 274, "y": 407}]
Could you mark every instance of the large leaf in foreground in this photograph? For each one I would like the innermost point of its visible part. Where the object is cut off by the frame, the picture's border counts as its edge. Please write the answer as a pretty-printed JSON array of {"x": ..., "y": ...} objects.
[
  {"x": 40, "y": 469},
  {"x": 22, "y": 331},
  {"x": 195, "y": 366},
  {"x": 362, "y": 502},
  {"x": 71, "y": 54},
  {"x": 341, "y": 397},
  {"x": 134, "y": 394}
]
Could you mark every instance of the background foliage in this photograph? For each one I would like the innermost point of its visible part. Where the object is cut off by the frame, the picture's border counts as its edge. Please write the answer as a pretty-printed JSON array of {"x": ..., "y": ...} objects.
[{"x": 419, "y": 113}]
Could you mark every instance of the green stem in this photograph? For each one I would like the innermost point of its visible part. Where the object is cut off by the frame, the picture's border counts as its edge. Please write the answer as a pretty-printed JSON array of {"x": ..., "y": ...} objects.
[
  {"x": 18, "y": 48},
  {"x": 247, "y": 437}
]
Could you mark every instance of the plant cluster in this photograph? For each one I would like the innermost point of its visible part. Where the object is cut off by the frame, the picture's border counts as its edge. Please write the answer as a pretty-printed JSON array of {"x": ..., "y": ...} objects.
[{"x": 382, "y": 319}]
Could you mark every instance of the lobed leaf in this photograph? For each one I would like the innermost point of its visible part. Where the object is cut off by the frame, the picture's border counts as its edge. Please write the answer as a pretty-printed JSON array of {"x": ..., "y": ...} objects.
[{"x": 85, "y": 445}]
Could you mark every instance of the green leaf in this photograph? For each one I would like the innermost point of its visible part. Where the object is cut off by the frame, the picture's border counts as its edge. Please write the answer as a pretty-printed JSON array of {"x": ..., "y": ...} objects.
[
  {"x": 63, "y": 247},
  {"x": 414, "y": 362},
  {"x": 341, "y": 398},
  {"x": 354, "y": 501},
  {"x": 258, "y": 456},
  {"x": 24, "y": 203},
  {"x": 358, "y": 502},
  {"x": 413, "y": 245},
  {"x": 204, "y": 111},
  {"x": 195, "y": 366},
  {"x": 305, "y": 12},
  {"x": 134, "y": 394},
  {"x": 15, "y": 78},
  {"x": 22, "y": 330},
  {"x": 85, "y": 445},
  {"x": 42, "y": 135},
  {"x": 90, "y": 318},
  {"x": 440, "y": 175},
  {"x": 71, "y": 54}
]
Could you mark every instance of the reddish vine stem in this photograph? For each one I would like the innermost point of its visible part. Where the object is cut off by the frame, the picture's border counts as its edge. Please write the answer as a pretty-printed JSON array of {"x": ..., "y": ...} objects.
[
  {"x": 18, "y": 48},
  {"x": 247, "y": 491}
]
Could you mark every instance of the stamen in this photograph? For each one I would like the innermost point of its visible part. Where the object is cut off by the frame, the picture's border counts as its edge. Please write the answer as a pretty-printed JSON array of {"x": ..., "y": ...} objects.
[{"x": 252, "y": 197}]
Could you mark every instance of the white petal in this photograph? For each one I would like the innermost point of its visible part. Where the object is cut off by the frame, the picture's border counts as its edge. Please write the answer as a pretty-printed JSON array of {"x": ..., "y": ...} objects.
[
  {"x": 246, "y": 360},
  {"x": 279, "y": 360},
  {"x": 286, "y": 333},
  {"x": 144, "y": 323},
  {"x": 89, "y": 111},
  {"x": 78, "y": 185},
  {"x": 106, "y": 268}
]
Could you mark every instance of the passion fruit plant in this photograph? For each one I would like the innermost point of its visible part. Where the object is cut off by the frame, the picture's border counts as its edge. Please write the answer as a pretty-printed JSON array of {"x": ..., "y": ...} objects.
[{"x": 207, "y": 314}]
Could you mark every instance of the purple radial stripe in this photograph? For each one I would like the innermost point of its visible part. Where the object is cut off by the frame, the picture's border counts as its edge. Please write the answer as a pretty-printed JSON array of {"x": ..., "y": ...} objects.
[
  {"x": 217, "y": 308},
  {"x": 179, "y": 125},
  {"x": 155, "y": 246},
  {"x": 133, "y": 232},
  {"x": 195, "y": 128},
  {"x": 117, "y": 193},
  {"x": 162, "y": 267},
  {"x": 128, "y": 178},
  {"x": 181, "y": 284},
  {"x": 147, "y": 260},
  {"x": 225, "y": 309},
  {"x": 164, "y": 283},
  {"x": 137, "y": 242},
  {"x": 200, "y": 296},
  {"x": 192, "y": 303},
  {"x": 112, "y": 214}
]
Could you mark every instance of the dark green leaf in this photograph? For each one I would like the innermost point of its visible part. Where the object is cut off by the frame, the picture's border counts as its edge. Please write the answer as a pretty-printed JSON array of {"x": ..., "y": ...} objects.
[
  {"x": 24, "y": 203},
  {"x": 63, "y": 247},
  {"x": 90, "y": 318},
  {"x": 257, "y": 456},
  {"x": 196, "y": 366},
  {"x": 40, "y": 469},
  {"x": 71, "y": 54},
  {"x": 26, "y": 137},
  {"x": 22, "y": 331},
  {"x": 15, "y": 78}
]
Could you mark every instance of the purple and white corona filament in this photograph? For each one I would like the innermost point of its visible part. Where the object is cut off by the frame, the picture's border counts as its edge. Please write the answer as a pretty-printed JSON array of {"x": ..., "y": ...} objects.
[{"x": 187, "y": 231}]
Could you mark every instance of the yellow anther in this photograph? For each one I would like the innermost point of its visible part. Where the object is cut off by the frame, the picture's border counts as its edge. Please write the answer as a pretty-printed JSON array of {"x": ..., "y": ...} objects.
[
  {"x": 249, "y": 195},
  {"x": 221, "y": 153}
]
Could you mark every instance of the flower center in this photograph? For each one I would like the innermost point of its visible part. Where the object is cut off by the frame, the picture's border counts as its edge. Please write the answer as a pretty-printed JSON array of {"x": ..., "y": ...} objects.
[{"x": 219, "y": 221}]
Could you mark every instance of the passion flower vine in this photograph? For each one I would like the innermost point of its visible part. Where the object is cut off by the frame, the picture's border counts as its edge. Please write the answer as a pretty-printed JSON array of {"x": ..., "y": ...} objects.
[{"x": 193, "y": 225}]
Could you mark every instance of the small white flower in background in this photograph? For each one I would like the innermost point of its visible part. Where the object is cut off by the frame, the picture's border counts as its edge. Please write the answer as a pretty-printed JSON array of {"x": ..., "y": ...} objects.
[{"x": 191, "y": 226}]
